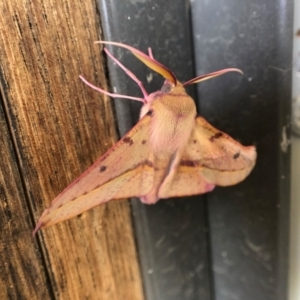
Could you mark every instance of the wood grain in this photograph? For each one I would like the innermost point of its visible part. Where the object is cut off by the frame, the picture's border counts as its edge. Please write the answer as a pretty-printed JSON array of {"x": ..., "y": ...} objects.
[
  {"x": 58, "y": 128},
  {"x": 22, "y": 272}
]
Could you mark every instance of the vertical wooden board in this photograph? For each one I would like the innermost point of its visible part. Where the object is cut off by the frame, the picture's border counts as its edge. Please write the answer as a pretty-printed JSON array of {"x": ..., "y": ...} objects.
[
  {"x": 59, "y": 128},
  {"x": 21, "y": 270}
]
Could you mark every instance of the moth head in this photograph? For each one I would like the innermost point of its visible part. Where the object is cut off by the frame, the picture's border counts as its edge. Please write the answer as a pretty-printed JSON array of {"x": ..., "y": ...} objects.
[{"x": 171, "y": 84}]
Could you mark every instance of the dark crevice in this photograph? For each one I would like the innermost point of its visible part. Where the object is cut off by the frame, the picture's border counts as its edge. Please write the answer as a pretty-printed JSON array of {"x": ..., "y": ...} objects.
[
  {"x": 205, "y": 197},
  {"x": 135, "y": 226},
  {"x": 107, "y": 76},
  {"x": 209, "y": 248}
]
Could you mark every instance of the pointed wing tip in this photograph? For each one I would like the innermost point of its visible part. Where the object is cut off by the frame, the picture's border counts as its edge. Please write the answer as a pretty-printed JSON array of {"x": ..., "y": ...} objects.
[
  {"x": 253, "y": 153},
  {"x": 209, "y": 187},
  {"x": 38, "y": 226}
]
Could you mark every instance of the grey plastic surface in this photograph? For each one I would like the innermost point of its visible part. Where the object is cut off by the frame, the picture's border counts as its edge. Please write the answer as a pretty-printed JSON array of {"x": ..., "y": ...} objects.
[
  {"x": 171, "y": 235},
  {"x": 235, "y": 245},
  {"x": 249, "y": 223}
]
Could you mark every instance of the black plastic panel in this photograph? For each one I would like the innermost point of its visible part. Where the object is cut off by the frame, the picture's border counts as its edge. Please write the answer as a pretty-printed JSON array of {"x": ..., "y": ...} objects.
[
  {"x": 249, "y": 222},
  {"x": 171, "y": 235},
  {"x": 234, "y": 246}
]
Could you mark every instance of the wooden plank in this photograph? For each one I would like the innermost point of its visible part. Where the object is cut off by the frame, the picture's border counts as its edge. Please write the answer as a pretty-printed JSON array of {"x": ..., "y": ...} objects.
[
  {"x": 59, "y": 128},
  {"x": 21, "y": 266}
]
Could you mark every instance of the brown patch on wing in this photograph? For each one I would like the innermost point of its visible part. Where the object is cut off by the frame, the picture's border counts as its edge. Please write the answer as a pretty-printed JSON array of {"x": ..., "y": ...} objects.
[
  {"x": 236, "y": 156},
  {"x": 102, "y": 169},
  {"x": 128, "y": 140},
  {"x": 188, "y": 163},
  {"x": 216, "y": 136},
  {"x": 149, "y": 113},
  {"x": 148, "y": 163}
]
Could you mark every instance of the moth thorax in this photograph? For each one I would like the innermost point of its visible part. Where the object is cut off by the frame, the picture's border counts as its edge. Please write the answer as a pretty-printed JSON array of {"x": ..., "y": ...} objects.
[{"x": 170, "y": 127}]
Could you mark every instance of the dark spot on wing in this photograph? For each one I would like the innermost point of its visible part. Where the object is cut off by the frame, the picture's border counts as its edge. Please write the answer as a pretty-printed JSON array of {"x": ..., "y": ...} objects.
[
  {"x": 60, "y": 205},
  {"x": 128, "y": 140},
  {"x": 188, "y": 163},
  {"x": 216, "y": 136},
  {"x": 144, "y": 142},
  {"x": 194, "y": 141},
  {"x": 237, "y": 155},
  {"x": 148, "y": 163},
  {"x": 84, "y": 193},
  {"x": 150, "y": 112},
  {"x": 298, "y": 32},
  {"x": 103, "y": 168}
]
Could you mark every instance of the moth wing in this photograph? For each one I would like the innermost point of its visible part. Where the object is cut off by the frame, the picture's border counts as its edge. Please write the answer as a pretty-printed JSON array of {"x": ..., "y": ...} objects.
[
  {"x": 210, "y": 158},
  {"x": 126, "y": 170}
]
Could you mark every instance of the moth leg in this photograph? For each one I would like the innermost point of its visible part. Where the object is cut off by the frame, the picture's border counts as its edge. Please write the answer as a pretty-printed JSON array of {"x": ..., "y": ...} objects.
[
  {"x": 166, "y": 184},
  {"x": 110, "y": 94},
  {"x": 164, "y": 165}
]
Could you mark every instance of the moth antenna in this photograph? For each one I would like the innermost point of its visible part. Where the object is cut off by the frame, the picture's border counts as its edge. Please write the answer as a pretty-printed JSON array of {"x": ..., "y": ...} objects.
[
  {"x": 211, "y": 75},
  {"x": 128, "y": 72},
  {"x": 147, "y": 60},
  {"x": 150, "y": 53},
  {"x": 111, "y": 94}
]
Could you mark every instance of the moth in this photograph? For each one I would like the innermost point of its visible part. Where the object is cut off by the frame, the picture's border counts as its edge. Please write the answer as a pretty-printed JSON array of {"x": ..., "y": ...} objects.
[{"x": 170, "y": 152}]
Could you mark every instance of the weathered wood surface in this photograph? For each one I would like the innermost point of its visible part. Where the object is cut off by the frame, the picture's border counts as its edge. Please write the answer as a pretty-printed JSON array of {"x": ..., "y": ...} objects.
[{"x": 52, "y": 128}]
